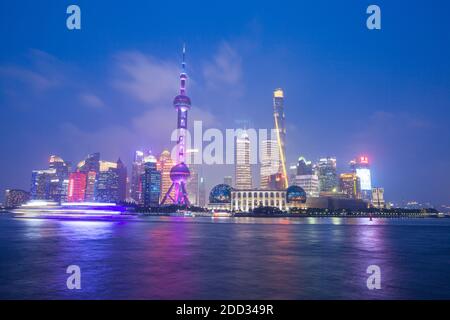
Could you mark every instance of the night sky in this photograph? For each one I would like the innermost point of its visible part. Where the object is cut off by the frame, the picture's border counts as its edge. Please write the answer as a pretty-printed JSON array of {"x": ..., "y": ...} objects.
[{"x": 349, "y": 91}]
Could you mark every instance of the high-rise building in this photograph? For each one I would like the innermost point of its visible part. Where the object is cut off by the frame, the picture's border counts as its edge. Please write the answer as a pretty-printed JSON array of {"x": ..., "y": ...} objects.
[
  {"x": 107, "y": 186},
  {"x": 361, "y": 167},
  {"x": 151, "y": 182},
  {"x": 15, "y": 198},
  {"x": 350, "y": 185},
  {"x": 202, "y": 192},
  {"x": 276, "y": 182},
  {"x": 122, "y": 177},
  {"x": 270, "y": 162},
  {"x": 192, "y": 185},
  {"x": 77, "y": 187},
  {"x": 41, "y": 184},
  {"x": 304, "y": 167},
  {"x": 243, "y": 169},
  {"x": 91, "y": 168},
  {"x": 228, "y": 180},
  {"x": 309, "y": 183},
  {"x": 179, "y": 173},
  {"x": 58, "y": 183},
  {"x": 137, "y": 170},
  {"x": 280, "y": 129},
  {"x": 328, "y": 179},
  {"x": 378, "y": 198},
  {"x": 165, "y": 165}
]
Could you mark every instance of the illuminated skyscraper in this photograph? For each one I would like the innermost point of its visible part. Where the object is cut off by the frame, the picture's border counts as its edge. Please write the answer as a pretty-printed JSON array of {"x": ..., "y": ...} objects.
[
  {"x": 361, "y": 167},
  {"x": 91, "y": 168},
  {"x": 350, "y": 185},
  {"x": 309, "y": 183},
  {"x": 41, "y": 184},
  {"x": 328, "y": 179},
  {"x": 165, "y": 164},
  {"x": 59, "y": 181},
  {"x": 202, "y": 192},
  {"x": 179, "y": 174},
  {"x": 77, "y": 187},
  {"x": 110, "y": 185},
  {"x": 270, "y": 162},
  {"x": 280, "y": 129},
  {"x": 243, "y": 169},
  {"x": 151, "y": 182},
  {"x": 137, "y": 170}
]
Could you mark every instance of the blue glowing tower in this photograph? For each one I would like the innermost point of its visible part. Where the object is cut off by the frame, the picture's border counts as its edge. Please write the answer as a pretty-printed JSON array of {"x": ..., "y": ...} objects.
[{"x": 180, "y": 172}]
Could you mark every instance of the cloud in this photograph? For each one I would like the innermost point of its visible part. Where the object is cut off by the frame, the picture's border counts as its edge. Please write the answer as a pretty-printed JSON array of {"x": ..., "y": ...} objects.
[
  {"x": 91, "y": 100},
  {"x": 145, "y": 78},
  {"x": 225, "y": 67}
]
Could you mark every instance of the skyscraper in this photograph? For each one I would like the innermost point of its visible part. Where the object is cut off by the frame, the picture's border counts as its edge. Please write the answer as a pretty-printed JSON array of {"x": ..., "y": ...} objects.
[
  {"x": 180, "y": 172},
  {"x": 280, "y": 129},
  {"x": 110, "y": 185},
  {"x": 361, "y": 167},
  {"x": 165, "y": 164},
  {"x": 328, "y": 179},
  {"x": 350, "y": 185},
  {"x": 59, "y": 181},
  {"x": 243, "y": 169},
  {"x": 41, "y": 184},
  {"x": 77, "y": 187},
  {"x": 202, "y": 192},
  {"x": 137, "y": 170},
  {"x": 122, "y": 177},
  {"x": 151, "y": 182},
  {"x": 91, "y": 168},
  {"x": 304, "y": 167},
  {"x": 270, "y": 162},
  {"x": 192, "y": 185}
]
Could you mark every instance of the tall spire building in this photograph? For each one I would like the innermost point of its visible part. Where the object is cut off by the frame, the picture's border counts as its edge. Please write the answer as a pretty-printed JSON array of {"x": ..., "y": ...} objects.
[
  {"x": 280, "y": 129},
  {"x": 179, "y": 173}
]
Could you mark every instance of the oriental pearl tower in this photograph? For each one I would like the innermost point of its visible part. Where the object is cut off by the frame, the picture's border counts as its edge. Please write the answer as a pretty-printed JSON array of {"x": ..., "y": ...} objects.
[{"x": 180, "y": 172}]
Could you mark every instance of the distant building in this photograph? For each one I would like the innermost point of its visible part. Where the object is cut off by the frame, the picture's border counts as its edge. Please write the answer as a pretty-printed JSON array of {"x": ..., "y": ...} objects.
[
  {"x": 361, "y": 167},
  {"x": 193, "y": 186},
  {"x": 328, "y": 180},
  {"x": 41, "y": 184},
  {"x": 77, "y": 187},
  {"x": 91, "y": 168},
  {"x": 122, "y": 177},
  {"x": 16, "y": 197},
  {"x": 137, "y": 169},
  {"x": 151, "y": 183},
  {"x": 270, "y": 162},
  {"x": 378, "y": 198},
  {"x": 243, "y": 170},
  {"x": 228, "y": 180},
  {"x": 309, "y": 183},
  {"x": 58, "y": 182},
  {"x": 202, "y": 192},
  {"x": 304, "y": 167},
  {"x": 349, "y": 184}
]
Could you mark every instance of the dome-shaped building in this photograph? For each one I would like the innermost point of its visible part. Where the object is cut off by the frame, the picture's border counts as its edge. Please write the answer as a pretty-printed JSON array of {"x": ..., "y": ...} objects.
[
  {"x": 220, "y": 197},
  {"x": 295, "y": 195},
  {"x": 179, "y": 172}
]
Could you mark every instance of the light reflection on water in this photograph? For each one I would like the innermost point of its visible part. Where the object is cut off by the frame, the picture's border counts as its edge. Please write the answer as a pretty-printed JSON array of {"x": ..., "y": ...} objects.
[{"x": 227, "y": 258}]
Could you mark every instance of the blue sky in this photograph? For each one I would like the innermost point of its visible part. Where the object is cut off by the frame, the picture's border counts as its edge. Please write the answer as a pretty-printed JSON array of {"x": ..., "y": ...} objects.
[{"x": 349, "y": 91}]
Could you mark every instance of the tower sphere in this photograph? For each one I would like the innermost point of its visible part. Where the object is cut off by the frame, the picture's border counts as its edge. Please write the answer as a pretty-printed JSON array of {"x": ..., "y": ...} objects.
[
  {"x": 179, "y": 172},
  {"x": 182, "y": 101}
]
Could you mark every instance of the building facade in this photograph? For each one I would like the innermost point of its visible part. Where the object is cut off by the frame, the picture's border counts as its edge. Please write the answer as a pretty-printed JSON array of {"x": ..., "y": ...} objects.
[
  {"x": 151, "y": 183},
  {"x": 77, "y": 187},
  {"x": 309, "y": 183},
  {"x": 349, "y": 184},
  {"x": 328, "y": 179},
  {"x": 280, "y": 129},
  {"x": 243, "y": 169},
  {"x": 270, "y": 162},
  {"x": 15, "y": 198},
  {"x": 247, "y": 200},
  {"x": 378, "y": 198}
]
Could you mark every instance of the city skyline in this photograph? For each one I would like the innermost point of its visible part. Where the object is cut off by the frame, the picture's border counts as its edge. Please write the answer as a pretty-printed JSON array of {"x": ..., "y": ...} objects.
[{"x": 125, "y": 85}]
